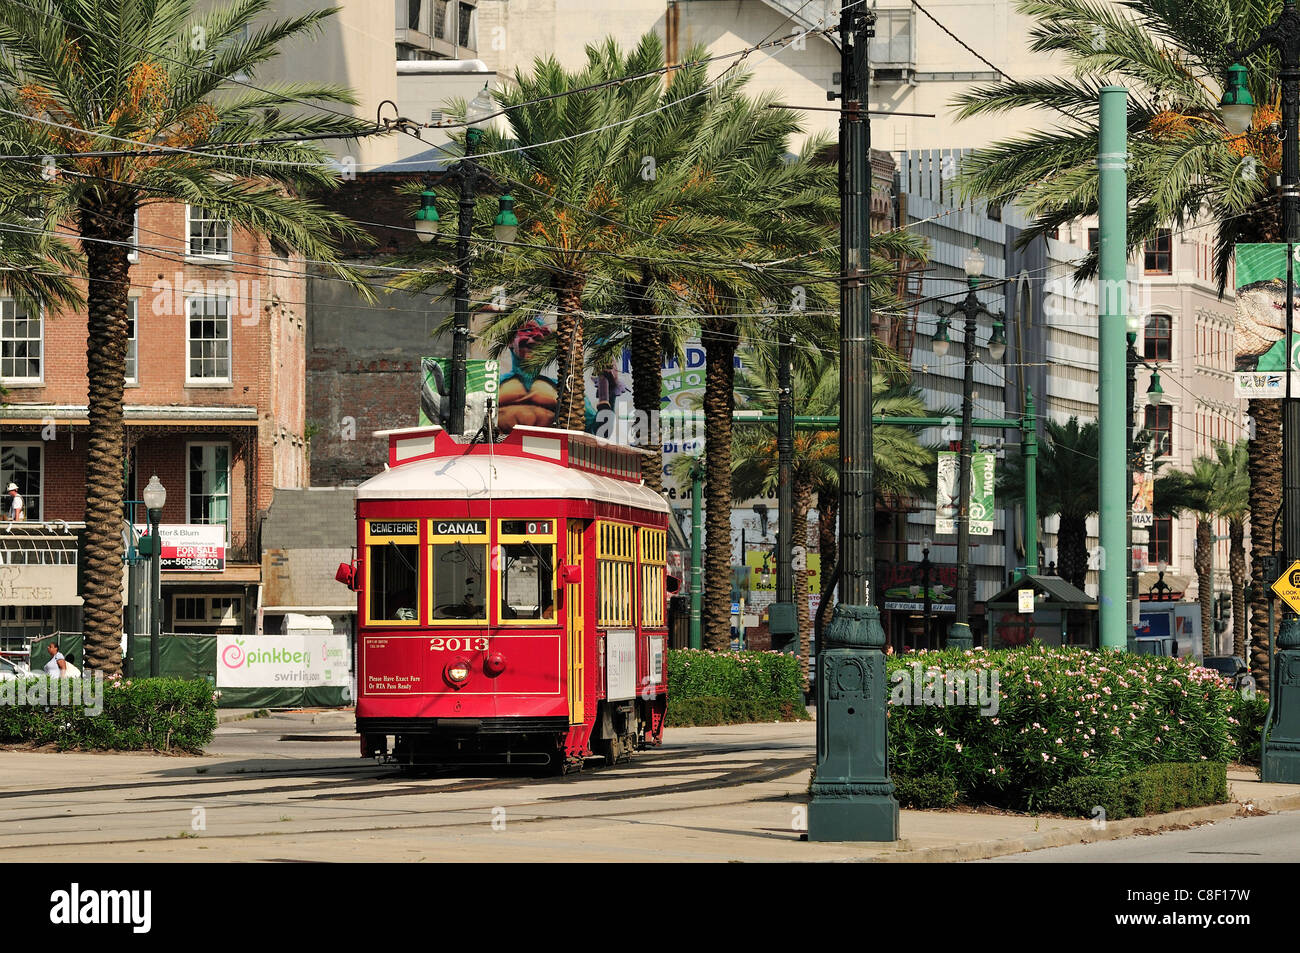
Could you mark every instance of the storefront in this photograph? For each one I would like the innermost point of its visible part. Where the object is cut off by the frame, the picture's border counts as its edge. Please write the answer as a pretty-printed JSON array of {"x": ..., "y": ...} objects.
[
  {"x": 920, "y": 603},
  {"x": 38, "y": 582}
]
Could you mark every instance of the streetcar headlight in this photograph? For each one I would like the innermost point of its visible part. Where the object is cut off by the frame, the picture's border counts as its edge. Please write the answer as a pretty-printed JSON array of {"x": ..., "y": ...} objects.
[{"x": 457, "y": 672}]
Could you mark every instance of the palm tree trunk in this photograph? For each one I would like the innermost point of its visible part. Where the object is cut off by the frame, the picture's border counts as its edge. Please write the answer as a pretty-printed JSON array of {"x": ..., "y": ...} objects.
[
  {"x": 828, "y": 505},
  {"x": 571, "y": 414},
  {"x": 802, "y": 504},
  {"x": 647, "y": 384},
  {"x": 1072, "y": 550},
  {"x": 719, "y": 381},
  {"x": 1265, "y": 499},
  {"x": 1237, "y": 570},
  {"x": 1205, "y": 584},
  {"x": 109, "y": 286}
]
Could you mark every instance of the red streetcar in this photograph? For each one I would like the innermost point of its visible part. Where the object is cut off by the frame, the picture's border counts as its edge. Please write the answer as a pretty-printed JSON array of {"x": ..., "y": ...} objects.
[{"x": 511, "y": 601}]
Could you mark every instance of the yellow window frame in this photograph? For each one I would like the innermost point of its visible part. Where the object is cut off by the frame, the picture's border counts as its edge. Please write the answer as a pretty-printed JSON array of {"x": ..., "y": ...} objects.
[
  {"x": 411, "y": 539},
  {"x": 654, "y": 574},
  {"x": 483, "y": 539},
  {"x": 616, "y": 571},
  {"x": 539, "y": 540}
]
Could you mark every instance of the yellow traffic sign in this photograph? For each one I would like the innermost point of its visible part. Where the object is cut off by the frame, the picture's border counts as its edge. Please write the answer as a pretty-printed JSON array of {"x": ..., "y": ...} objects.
[{"x": 1288, "y": 586}]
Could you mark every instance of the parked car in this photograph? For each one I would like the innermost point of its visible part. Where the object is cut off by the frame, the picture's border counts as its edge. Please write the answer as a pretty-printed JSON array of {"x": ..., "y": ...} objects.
[{"x": 1229, "y": 666}]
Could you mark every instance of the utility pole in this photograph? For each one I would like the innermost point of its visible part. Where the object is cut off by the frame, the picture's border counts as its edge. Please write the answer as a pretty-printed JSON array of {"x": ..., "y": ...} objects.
[
  {"x": 1113, "y": 325},
  {"x": 782, "y": 619},
  {"x": 852, "y": 796},
  {"x": 1029, "y": 450},
  {"x": 697, "y": 559}
]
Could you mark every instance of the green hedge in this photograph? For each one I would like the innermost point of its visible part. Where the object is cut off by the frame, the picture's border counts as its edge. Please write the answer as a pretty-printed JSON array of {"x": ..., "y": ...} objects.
[
  {"x": 1157, "y": 789},
  {"x": 1062, "y": 714},
  {"x": 1247, "y": 716},
  {"x": 159, "y": 714},
  {"x": 686, "y": 712},
  {"x": 718, "y": 688}
]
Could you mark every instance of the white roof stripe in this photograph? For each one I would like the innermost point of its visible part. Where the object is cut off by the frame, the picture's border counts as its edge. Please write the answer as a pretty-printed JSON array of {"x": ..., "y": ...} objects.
[{"x": 478, "y": 476}]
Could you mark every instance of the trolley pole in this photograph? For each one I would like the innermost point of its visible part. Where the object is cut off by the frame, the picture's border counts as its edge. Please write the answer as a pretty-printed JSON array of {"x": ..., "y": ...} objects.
[
  {"x": 1113, "y": 325},
  {"x": 460, "y": 328},
  {"x": 852, "y": 796},
  {"x": 782, "y": 620}
]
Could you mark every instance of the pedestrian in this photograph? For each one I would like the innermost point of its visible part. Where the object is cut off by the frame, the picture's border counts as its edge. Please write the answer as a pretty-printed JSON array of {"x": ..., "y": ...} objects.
[
  {"x": 57, "y": 666},
  {"x": 17, "y": 510}
]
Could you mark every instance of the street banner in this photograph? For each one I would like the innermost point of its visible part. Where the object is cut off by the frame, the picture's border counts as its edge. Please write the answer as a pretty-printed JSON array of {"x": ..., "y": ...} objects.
[
  {"x": 190, "y": 547},
  {"x": 948, "y": 500},
  {"x": 283, "y": 661},
  {"x": 1143, "y": 499},
  {"x": 1261, "y": 321},
  {"x": 481, "y": 380}
]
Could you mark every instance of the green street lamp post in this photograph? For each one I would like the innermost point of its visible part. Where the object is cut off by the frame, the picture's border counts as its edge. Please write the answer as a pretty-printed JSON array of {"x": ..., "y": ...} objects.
[
  {"x": 1280, "y": 755},
  {"x": 697, "y": 555},
  {"x": 782, "y": 619},
  {"x": 852, "y": 796},
  {"x": 471, "y": 179},
  {"x": 155, "y": 498},
  {"x": 959, "y": 634}
]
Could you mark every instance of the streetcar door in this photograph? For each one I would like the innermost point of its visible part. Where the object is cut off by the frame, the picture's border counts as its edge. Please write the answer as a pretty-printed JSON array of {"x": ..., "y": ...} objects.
[{"x": 573, "y": 604}]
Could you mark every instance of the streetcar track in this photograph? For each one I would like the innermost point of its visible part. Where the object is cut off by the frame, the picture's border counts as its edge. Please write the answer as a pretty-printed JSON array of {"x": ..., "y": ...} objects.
[{"x": 767, "y": 770}]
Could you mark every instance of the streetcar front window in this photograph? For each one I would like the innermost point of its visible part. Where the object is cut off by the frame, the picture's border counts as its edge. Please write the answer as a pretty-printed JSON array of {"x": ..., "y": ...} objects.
[
  {"x": 459, "y": 586},
  {"x": 527, "y": 581},
  {"x": 394, "y": 582}
]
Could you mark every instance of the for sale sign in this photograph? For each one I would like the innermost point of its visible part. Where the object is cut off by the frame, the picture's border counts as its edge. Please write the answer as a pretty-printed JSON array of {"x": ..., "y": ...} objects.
[{"x": 191, "y": 547}]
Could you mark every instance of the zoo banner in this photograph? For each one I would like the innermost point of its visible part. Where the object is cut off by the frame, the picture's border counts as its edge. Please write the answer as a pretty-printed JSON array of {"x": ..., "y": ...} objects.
[
  {"x": 948, "y": 501},
  {"x": 283, "y": 661},
  {"x": 1261, "y": 320}
]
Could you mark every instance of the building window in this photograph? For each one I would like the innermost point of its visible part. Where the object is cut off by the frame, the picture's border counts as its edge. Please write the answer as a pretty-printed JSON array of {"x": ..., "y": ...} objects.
[
  {"x": 208, "y": 358},
  {"x": 1161, "y": 542},
  {"x": 209, "y": 483},
  {"x": 21, "y": 344},
  {"x": 20, "y": 463},
  {"x": 1094, "y": 238},
  {"x": 132, "y": 347},
  {"x": 1158, "y": 341},
  {"x": 440, "y": 19},
  {"x": 209, "y": 236},
  {"x": 1160, "y": 425},
  {"x": 1159, "y": 254},
  {"x": 464, "y": 24}
]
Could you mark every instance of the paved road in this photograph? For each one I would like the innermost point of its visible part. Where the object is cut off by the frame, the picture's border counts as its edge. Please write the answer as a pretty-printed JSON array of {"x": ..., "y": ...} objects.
[{"x": 1237, "y": 840}]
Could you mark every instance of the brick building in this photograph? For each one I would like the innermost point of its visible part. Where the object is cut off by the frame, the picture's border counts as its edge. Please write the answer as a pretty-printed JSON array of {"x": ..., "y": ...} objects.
[{"x": 214, "y": 404}]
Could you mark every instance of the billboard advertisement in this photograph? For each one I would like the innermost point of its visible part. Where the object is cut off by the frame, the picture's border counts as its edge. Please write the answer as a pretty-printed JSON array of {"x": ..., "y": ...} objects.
[
  {"x": 283, "y": 661},
  {"x": 948, "y": 501},
  {"x": 1260, "y": 321},
  {"x": 190, "y": 547}
]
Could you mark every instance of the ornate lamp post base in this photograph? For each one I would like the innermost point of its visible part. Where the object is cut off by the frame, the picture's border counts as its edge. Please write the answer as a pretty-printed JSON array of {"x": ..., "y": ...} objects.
[
  {"x": 1280, "y": 761},
  {"x": 959, "y": 636},
  {"x": 852, "y": 796}
]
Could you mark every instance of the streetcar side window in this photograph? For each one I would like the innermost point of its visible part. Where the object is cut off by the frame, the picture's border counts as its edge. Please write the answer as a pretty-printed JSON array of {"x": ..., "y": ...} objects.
[
  {"x": 459, "y": 581},
  {"x": 527, "y": 581},
  {"x": 394, "y": 582}
]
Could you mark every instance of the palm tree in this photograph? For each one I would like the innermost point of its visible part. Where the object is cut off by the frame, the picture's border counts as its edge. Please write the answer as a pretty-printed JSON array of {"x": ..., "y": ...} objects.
[
  {"x": 1194, "y": 492},
  {"x": 1232, "y": 503},
  {"x": 901, "y": 464},
  {"x": 1184, "y": 166},
  {"x": 109, "y": 80},
  {"x": 1067, "y": 487}
]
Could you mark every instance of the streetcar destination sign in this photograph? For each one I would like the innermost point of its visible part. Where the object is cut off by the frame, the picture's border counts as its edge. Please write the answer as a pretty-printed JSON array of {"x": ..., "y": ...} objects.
[
  {"x": 459, "y": 527},
  {"x": 404, "y": 528}
]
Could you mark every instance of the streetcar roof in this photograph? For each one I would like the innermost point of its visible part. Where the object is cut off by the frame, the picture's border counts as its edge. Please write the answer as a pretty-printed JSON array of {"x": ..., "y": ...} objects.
[{"x": 480, "y": 476}]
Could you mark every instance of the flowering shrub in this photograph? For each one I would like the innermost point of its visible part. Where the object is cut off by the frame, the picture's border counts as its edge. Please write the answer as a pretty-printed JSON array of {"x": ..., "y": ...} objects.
[
  {"x": 160, "y": 714},
  {"x": 1062, "y": 713},
  {"x": 713, "y": 688}
]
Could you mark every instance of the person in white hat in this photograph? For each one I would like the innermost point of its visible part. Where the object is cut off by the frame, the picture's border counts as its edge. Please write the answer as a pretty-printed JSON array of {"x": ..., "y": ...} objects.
[{"x": 17, "y": 509}]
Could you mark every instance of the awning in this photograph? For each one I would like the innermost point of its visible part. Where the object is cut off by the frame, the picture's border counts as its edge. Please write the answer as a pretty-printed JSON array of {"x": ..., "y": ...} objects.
[{"x": 38, "y": 564}]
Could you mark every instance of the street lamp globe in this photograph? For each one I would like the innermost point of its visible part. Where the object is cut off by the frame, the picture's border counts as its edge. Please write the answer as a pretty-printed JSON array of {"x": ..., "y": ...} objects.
[
  {"x": 1236, "y": 108},
  {"x": 477, "y": 112},
  {"x": 974, "y": 263},
  {"x": 155, "y": 496},
  {"x": 506, "y": 225},
  {"x": 426, "y": 217},
  {"x": 998, "y": 342},
  {"x": 1155, "y": 393},
  {"x": 941, "y": 340}
]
